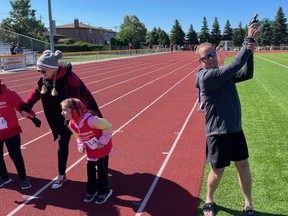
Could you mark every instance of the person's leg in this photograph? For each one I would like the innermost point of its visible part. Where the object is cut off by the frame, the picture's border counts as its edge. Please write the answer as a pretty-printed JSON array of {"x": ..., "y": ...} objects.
[
  {"x": 245, "y": 181},
  {"x": 14, "y": 149},
  {"x": 3, "y": 168},
  {"x": 63, "y": 151},
  {"x": 102, "y": 181},
  {"x": 213, "y": 182},
  {"x": 217, "y": 153},
  {"x": 91, "y": 182},
  {"x": 91, "y": 177},
  {"x": 240, "y": 158}
]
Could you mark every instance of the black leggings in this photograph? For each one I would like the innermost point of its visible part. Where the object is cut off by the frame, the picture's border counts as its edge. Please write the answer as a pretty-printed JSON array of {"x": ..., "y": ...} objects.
[
  {"x": 98, "y": 179},
  {"x": 63, "y": 150},
  {"x": 13, "y": 147}
]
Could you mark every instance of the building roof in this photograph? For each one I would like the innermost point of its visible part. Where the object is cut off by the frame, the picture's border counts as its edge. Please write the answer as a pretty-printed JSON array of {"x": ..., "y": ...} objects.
[{"x": 83, "y": 26}]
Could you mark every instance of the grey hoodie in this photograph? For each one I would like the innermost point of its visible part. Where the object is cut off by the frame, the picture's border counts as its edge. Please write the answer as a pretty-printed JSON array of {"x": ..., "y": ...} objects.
[{"x": 218, "y": 89}]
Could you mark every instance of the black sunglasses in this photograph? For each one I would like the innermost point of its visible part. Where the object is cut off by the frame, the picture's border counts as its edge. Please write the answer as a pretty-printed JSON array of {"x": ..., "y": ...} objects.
[
  {"x": 210, "y": 55},
  {"x": 41, "y": 71}
]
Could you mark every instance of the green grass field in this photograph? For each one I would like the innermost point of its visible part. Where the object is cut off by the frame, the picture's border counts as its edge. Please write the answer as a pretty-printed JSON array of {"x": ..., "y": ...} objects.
[
  {"x": 85, "y": 58},
  {"x": 264, "y": 101}
]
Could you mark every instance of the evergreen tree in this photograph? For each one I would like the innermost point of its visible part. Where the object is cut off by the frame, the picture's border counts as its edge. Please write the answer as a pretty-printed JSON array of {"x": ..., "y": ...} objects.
[
  {"x": 163, "y": 38},
  {"x": 215, "y": 33},
  {"x": 152, "y": 37},
  {"x": 177, "y": 35},
  {"x": 265, "y": 38},
  {"x": 279, "y": 29},
  {"x": 228, "y": 31},
  {"x": 204, "y": 35},
  {"x": 191, "y": 37},
  {"x": 22, "y": 20},
  {"x": 239, "y": 35}
]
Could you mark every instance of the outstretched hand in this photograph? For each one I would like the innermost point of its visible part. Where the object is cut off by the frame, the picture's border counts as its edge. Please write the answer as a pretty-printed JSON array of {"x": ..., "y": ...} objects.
[{"x": 253, "y": 31}]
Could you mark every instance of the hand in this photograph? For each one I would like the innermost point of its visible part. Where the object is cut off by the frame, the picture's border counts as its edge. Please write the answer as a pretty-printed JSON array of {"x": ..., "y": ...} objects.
[
  {"x": 99, "y": 145},
  {"x": 81, "y": 145},
  {"x": 81, "y": 149},
  {"x": 253, "y": 31},
  {"x": 26, "y": 114}
]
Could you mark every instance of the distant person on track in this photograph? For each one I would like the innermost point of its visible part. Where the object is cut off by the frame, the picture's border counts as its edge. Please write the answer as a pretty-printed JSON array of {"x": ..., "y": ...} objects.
[
  {"x": 12, "y": 47},
  {"x": 18, "y": 49},
  {"x": 225, "y": 140},
  {"x": 56, "y": 83},
  {"x": 10, "y": 135},
  {"x": 93, "y": 135}
]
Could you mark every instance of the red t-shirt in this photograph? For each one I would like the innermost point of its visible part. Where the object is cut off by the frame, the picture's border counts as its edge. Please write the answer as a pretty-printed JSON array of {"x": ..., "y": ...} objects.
[{"x": 9, "y": 101}]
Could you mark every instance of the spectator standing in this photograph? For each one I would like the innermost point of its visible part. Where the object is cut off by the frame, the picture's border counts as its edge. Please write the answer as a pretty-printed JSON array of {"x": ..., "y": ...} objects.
[
  {"x": 12, "y": 47},
  {"x": 56, "y": 83},
  {"x": 18, "y": 49}
]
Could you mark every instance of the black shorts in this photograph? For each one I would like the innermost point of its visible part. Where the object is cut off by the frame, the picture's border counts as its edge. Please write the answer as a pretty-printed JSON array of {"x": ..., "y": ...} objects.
[{"x": 224, "y": 148}]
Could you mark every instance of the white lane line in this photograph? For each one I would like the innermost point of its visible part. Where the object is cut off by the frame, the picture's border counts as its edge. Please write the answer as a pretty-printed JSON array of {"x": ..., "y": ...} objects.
[
  {"x": 39, "y": 137},
  {"x": 271, "y": 61},
  {"x": 157, "y": 177}
]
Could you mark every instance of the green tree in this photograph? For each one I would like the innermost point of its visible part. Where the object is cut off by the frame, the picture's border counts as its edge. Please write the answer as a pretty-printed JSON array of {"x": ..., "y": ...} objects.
[
  {"x": 177, "y": 35},
  {"x": 239, "y": 35},
  {"x": 265, "y": 38},
  {"x": 132, "y": 31},
  {"x": 163, "y": 38},
  {"x": 152, "y": 37},
  {"x": 22, "y": 20},
  {"x": 215, "y": 33},
  {"x": 228, "y": 32},
  {"x": 191, "y": 36},
  {"x": 279, "y": 29},
  {"x": 204, "y": 35}
]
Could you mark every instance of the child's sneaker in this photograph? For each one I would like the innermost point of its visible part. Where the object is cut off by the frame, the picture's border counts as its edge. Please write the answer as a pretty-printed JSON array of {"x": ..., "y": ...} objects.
[
  {"x": 25, "y": 183},
  {"x": 103, "y": 198},
  {"x": 89, "y": 197},
  {"x": 59, "y": 181},
  {"x": 5, "y": 181}
]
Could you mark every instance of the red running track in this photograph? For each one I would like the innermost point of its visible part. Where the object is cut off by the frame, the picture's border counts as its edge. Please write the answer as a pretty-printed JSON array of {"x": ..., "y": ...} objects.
[{"x": 159, "y": 144}]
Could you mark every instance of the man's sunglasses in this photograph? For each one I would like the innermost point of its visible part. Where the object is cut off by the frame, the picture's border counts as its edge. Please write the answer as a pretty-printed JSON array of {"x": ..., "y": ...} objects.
[
  {"x": 41, "y": 71},
  {"x": 210, "y": 55}
]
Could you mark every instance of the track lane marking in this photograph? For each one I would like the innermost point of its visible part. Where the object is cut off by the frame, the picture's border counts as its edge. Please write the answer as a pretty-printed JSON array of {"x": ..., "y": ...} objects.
[{"x": 157, "y": 177}]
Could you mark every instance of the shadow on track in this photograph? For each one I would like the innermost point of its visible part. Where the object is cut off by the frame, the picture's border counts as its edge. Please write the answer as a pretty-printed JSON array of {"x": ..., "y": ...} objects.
[{"x": 129, "y": 190}]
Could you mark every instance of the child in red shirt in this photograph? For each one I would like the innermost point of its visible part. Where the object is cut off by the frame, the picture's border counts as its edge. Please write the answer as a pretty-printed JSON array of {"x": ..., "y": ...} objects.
[
  {"x": 93, "y": 135},
  {"x": 10, "y": 134}
]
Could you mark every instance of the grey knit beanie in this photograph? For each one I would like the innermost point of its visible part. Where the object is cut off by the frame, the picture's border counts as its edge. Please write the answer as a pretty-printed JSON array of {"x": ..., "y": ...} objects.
[{"x": 49, "y": 59}]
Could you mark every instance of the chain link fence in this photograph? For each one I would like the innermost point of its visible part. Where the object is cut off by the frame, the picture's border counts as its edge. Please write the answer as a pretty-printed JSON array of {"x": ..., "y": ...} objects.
[{"x": 27, "y": 43}]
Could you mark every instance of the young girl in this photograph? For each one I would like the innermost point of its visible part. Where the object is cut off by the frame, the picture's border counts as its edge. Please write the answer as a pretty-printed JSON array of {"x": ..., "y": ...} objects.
[
  {"x": 10, "y": 134},
  {"x": 93, "y": 135}
]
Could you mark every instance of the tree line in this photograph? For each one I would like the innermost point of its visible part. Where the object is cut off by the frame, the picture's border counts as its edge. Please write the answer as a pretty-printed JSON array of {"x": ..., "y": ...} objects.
[{"x": 22, "y": 20}]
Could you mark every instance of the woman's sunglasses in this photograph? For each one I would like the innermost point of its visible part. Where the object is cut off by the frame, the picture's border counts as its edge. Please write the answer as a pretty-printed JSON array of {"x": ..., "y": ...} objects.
[
  {"x": 210, "y": 55},
  {"x": 41, "y": 71}
]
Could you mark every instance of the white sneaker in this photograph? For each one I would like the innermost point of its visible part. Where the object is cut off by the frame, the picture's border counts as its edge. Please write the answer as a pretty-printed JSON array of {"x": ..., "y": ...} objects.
[{"x": 59, "y": 181}]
